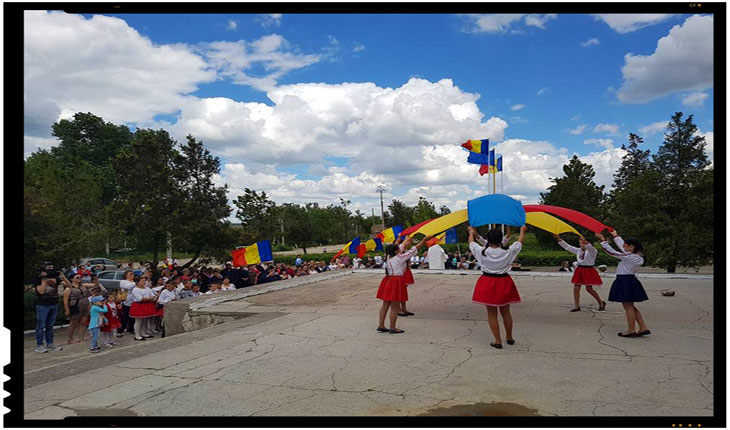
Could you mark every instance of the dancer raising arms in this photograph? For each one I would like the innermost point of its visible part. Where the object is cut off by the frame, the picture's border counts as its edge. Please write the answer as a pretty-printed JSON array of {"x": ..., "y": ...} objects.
[
  {"x": 392, "y": 290},
  {"x": 585, "y": 273},
  {"x": 626, "y": 288},
  {"x": 495, "y": 287}
]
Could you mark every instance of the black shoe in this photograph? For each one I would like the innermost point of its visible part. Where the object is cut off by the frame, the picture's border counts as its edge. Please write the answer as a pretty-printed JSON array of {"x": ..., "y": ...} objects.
[
  {"x": 409, "y": 313},
  {"x": 395, "y": 331},
  {"x": 402, "y": 314},
  {"x": 382, "y": 329},
  {"x": 496, "y": 345},
  {"x": 510, "y": 341},
  {"x": 575, "y": 309},
  {"x": 644, "y": 333},
  {"x": 139, "y": 338},
  {"x": 602, "y": 307},
  {"x": 628, "y": 335}
]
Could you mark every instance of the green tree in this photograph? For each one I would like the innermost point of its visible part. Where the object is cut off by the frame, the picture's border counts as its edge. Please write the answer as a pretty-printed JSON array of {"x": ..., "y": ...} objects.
[
  {"x": 259, "y": 218},
  {"x": 424, "y": 210},
  {"x": 400, "y": 214},
  {"x": 149, "y": 199},
  {"x": 576, "y": 190},
  {"x": 201, "y": 213},
  {"x": 685, "y": 198}
]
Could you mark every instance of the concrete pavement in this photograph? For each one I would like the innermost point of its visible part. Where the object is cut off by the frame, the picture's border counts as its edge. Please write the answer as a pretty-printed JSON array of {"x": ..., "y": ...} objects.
[{"x": 313, "y": 350}]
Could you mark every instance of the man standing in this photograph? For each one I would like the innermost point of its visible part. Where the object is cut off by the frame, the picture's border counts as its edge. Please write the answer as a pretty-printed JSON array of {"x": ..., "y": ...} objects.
[
  {"x": 230, "y": 273},
  {"x": 436, "y": 257},
  {"x": 46, "y": 309}
]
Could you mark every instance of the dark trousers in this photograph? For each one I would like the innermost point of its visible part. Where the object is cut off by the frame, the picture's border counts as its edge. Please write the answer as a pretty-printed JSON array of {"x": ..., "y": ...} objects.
[{"x": 127, "y": 321}]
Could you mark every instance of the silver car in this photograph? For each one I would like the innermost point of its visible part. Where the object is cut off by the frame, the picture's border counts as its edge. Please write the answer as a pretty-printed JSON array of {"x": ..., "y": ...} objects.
[
  {"x": 105, "y": 262},
  {"x": 110, "y": 279}
]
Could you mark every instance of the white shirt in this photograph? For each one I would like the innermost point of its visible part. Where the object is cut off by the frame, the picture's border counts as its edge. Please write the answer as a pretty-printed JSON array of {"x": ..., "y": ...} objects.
[
  {"x": 139, "y": 293},
  {"x": 586, "y": 257},
  {"x": 356, "y": 263},
  {"x": 436, "y": 257},
  {"x": 228, "y": 288},
  {"x": 415, "y": 259},
  {"x": 166, "y": 296},
  {"x": 378, "y": 259},
  {"x": 483, "y": 242},
  {"x": 497, "y": 260},
  {"x": 629, "y": 263},
  {"x": 129, "y": 286},
  {"x": 396, "y": 265}
]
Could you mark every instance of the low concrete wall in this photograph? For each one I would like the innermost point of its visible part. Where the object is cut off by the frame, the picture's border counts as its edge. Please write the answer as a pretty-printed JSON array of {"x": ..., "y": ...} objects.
[{"x": 192, "y": 314}]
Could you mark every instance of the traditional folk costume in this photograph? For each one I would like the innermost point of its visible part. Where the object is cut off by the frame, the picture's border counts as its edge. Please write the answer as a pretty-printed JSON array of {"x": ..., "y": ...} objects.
[
  {"x": 113, "y": 316},
  {"x": 393, "y": 285},
  {"x": 142, "y": 309},
  {"x": 626, "y": 288},
  {"x": 495, "y": 287},
  {"x": 585, "y": 273},
  {"x": 407, "y": 275}
]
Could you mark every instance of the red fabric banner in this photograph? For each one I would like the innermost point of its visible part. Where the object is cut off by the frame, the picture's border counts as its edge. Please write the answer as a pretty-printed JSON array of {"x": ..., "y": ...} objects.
[
  {"x": 415, "y": 228},
  {"x": 579, "y": 218},
  {"x": 239, "y": 257}
]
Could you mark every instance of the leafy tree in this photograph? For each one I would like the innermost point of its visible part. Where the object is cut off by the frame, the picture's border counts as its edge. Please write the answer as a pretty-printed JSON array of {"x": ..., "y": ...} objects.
[
  {"x": 401, "y": 214},
  {"x": 424, "y": 210},
  {"x": 258, "y": 215},
  {"x": 202, "y": 211},
  {"x": 634, "y": 164},
  {"x": 150, "y": 198},
  {"x": 576, "y": 190}
]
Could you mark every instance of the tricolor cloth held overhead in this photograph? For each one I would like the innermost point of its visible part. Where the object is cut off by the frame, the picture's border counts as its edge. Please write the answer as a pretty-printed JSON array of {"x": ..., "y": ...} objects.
[{"x": 252, "y": 254}]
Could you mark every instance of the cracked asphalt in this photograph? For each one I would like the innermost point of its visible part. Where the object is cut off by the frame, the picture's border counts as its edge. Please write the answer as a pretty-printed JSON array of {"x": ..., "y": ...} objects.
[{"x": 313, "y": 350}]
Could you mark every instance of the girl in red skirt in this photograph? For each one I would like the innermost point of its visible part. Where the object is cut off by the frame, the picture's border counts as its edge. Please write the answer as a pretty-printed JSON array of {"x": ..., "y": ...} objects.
[
  {"x": 392, "y": 290},
  {"x": 112, "y": 315},
  {"x": 407, "y": 278},
  {"x": 143, "y": 308},
  {"x": 585, "y": 274},
  {"x": 495, "y": 287}
]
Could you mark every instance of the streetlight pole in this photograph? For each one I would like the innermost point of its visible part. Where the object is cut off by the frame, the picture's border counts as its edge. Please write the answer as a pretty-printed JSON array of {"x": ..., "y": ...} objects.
[{"x": 381, "y": 188}]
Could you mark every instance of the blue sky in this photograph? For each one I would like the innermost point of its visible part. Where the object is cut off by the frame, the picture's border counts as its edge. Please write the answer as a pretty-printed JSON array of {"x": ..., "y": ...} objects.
[{"x": 551, "y": 85}]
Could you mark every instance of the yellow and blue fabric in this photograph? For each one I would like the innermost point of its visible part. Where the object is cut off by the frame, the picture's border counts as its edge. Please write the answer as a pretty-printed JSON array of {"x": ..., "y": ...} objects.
[
  {"x": 478, "y": 146},
  {"x": 443, "y": 223},
  {"x": 495, "y": 209},
  {"x": 374, "y": 244},
  {"x": 549, "y": 223},
  {"x": 389, "y": 235}
]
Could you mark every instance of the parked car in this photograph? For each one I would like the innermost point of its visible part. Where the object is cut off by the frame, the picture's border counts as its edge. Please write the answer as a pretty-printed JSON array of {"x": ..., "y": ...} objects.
[
  {"x": 107, "y": 263},
  {"x": 110, "y": 279}
]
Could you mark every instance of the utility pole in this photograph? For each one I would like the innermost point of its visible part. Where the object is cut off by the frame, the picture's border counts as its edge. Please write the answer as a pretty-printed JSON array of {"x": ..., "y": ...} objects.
[{"x": 381, "y": 188}]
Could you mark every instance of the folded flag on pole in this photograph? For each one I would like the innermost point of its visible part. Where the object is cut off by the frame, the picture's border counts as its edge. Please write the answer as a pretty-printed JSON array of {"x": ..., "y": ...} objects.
[
  {"x": 495, "y": 209},
  {"x": 361, "y": 250},
  {"x": 390, "y": 234},
  {"x": 350, "y": 247},
  {"x": 252, "y": 254},
  {"x": 475, "y": 158},
  {"x": 374, "y": 244}
]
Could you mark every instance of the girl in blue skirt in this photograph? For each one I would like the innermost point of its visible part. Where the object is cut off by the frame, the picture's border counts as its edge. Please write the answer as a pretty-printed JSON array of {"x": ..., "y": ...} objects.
[{"x": 626, "y": 288}]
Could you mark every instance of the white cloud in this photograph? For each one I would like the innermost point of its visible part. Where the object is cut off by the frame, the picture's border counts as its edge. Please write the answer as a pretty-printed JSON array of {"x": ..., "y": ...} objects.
[
  {"x": 605, "y": 164},
  {"x": 236, "y": 60},
  {"x": 358, "y": 47},
  {"x": 502, "y": 23},
  {"x": 102, "y": 65},
  {"x": 517, "y": 107},
  {"x": 694, "y": 99},
  {"x": 269, "y": 20},
  {"x": 653, "y": 128},
  {"x": 606, "y": 143},
  {"x": 542, "y": 91},
  {"x": 611, "y": 129},
  {"x": 34, "y": 143},
  {"x": 628, "y": 22},
  {"x": 590, "y": 42},
  {"x": 682, "y": 61},
  {"x": 710, "y": 143},
  {"x": 578, "y": 130},
  {"x": 232, "y": 24}
]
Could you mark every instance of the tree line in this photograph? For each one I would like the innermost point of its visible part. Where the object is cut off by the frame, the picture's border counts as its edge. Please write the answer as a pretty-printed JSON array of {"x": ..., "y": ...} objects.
[{"x": 105, "y": 184}]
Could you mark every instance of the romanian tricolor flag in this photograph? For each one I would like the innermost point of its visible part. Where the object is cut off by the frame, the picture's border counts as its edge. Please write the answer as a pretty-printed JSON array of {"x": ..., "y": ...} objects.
[
  {"x": 449, "y": 236},
  {"x": 493, "y": 166},
  {"x": 390, "y": 234},
  {"x": 374, "y": 244},
  {"x": 411, "y": 230},
  {"x": 350, "y": 248},
  {"x": 478, "y": 146},
  {"x": 252, "y": 254}
]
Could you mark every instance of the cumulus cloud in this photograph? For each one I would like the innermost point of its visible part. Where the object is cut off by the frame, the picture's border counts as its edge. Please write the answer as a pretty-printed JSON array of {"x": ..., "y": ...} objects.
[
  {"x": 517, "y": 107},
  {"x": 232, "y": 24},
  {"x": 590, "y": 42},
  {"x": 710, "y": 143},
  {"x": 695, "y": 99},
  {"x": 611, "y": 129},
  {"x": 653, "y": 128},
  {"x": 236, "y": 60},
  {"x": 102, "y": 65},
  {"x": 682, "y": 61},
  {"x": 628, "y": 22},
  {"x": 578, "y": 130},
  {"x": 606, "y": 143},
  {"x": 501, "y": 23}
]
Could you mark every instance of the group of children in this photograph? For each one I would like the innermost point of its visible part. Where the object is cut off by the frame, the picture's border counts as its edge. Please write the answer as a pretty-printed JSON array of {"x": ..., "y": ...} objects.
[{"x": 497, "y": 291}]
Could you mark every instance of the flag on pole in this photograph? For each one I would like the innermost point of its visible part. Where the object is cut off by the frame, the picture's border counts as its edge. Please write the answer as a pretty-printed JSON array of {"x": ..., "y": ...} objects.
[
  {"x": 390, "y": 234},
  {"x": 477, "y": 146}
]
